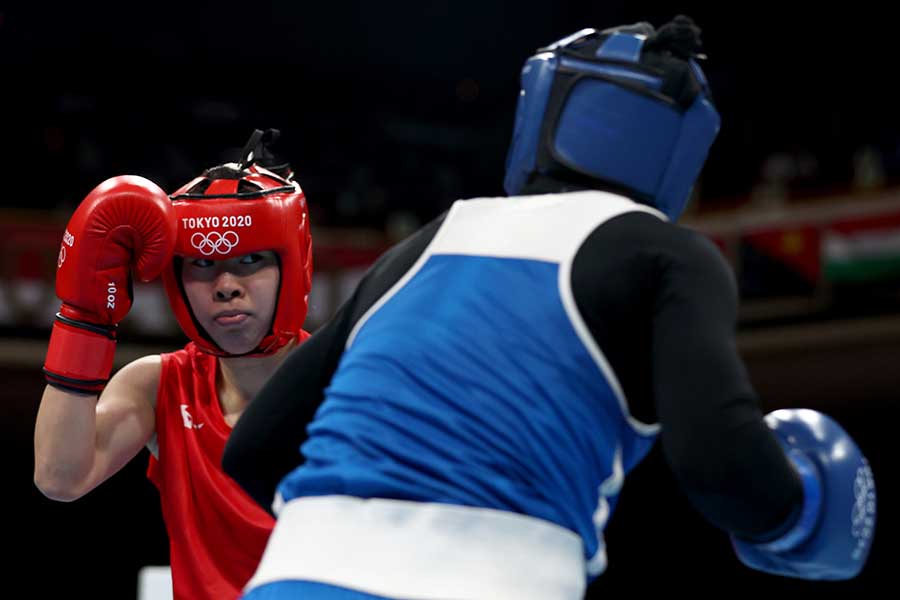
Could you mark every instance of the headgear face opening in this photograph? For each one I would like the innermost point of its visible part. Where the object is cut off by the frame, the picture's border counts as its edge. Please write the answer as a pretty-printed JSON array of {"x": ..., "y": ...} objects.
[
  {"x": 238, "y": 209},
  {"x": 626, "y": 108}
]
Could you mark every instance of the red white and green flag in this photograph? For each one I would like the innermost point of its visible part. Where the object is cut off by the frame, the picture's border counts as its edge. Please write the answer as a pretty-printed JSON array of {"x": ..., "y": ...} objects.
[{"x": 862, "y": 250}]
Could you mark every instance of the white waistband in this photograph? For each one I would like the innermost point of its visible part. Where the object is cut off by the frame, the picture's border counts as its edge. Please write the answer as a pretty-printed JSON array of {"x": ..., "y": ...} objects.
[{"x": 424, "y": 551}]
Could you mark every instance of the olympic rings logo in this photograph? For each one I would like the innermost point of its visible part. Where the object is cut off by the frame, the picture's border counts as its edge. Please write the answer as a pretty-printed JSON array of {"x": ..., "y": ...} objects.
[{"x": 214, "y": 242}]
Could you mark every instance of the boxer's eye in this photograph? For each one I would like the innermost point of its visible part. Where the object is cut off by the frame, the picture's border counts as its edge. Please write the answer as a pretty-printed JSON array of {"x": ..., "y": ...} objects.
[
  {"x": 201, "y": 263},
  {"x": 251, "y": 259}
]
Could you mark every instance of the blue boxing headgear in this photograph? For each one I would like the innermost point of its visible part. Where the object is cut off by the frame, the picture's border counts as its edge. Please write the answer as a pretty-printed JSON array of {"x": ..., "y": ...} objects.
[{"x": 624, "y": 109}]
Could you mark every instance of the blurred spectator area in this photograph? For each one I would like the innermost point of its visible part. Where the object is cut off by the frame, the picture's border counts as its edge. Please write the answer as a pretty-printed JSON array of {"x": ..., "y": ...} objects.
[{"x": 819, "y": 282}]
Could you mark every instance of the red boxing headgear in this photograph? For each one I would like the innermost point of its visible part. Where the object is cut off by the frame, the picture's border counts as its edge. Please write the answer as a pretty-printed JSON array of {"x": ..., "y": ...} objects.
[{"x": 234, "y": 211}]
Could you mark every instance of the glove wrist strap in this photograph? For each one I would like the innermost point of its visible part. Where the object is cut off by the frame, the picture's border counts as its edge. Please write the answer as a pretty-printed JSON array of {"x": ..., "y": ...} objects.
[{"x": 80, "y": 355}]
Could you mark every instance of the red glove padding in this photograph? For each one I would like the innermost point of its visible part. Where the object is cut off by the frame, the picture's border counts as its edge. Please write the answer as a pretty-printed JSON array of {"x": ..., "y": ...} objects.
[{"x": 125, "y": 222}]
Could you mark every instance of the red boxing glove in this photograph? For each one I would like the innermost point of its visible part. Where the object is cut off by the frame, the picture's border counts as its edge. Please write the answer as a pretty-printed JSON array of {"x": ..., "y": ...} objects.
[{"x": 125, "y": 222}]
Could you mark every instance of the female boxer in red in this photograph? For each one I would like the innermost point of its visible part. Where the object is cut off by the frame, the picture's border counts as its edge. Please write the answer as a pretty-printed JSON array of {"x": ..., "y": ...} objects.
[{"x": 233, "y": 248}]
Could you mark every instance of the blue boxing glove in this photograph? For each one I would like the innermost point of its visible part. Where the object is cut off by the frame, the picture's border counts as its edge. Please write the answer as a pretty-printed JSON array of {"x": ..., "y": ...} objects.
[{"x": 831, "y": 537}]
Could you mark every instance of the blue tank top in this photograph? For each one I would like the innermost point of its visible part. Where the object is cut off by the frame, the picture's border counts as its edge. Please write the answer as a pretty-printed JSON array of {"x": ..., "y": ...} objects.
[{"x": 475, "y": 381}]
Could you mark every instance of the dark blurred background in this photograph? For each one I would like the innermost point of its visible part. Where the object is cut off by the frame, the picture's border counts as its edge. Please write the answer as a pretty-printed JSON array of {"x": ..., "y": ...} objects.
[{"x": 389, "y": 112}]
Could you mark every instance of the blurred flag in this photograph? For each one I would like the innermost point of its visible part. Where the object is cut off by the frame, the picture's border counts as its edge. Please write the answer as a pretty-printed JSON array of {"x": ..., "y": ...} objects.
[
  {"x": 862, "y": 250},
  {"x": 779, "y": 261}
]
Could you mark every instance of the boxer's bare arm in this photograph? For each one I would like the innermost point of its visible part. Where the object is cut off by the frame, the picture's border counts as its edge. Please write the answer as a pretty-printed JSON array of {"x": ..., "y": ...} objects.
[{"x": 80, "y": 440}]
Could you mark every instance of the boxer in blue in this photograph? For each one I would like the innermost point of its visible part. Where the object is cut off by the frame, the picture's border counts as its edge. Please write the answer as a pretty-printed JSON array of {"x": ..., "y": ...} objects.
[{"x": 467, "y": 419}]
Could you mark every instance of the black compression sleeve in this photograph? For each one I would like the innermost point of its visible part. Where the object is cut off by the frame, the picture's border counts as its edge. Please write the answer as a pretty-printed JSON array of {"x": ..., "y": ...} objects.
[
  {"x": 724, "y": 456},
  {"x": 662, "y": 304}
]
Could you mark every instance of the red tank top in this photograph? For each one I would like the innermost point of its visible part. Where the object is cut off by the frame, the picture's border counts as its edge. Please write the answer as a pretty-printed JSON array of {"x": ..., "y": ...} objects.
[{"x": 217, "y": 533}]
